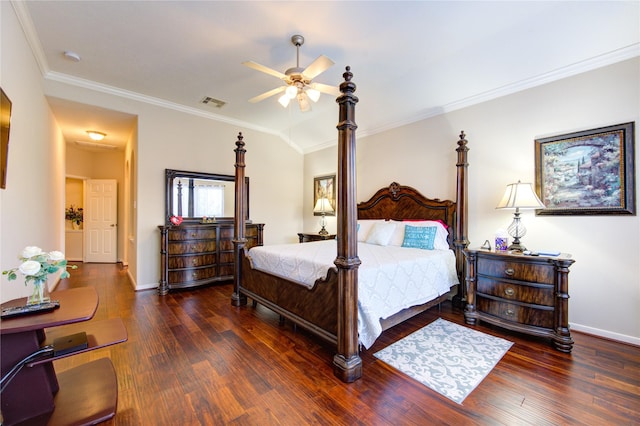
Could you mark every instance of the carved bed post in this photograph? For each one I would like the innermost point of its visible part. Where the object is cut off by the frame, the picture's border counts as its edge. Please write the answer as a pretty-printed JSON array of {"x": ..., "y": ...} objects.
[
  {"x": 347, "y": 364},
  {"x": 239, "y": 240},
  {"x": 461, "y": 241}
]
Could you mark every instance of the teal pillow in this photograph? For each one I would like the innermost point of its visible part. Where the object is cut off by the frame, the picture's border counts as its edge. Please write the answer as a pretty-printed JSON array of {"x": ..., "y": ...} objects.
[{"x": 421, "y": 237}]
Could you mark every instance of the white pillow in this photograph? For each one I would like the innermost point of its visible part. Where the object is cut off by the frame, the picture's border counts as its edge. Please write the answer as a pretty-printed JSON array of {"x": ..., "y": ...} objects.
[
  {"x": 364, "y": 226},
  {"x": 440, "y": 243},
  {"x": 380, "y": 233}
]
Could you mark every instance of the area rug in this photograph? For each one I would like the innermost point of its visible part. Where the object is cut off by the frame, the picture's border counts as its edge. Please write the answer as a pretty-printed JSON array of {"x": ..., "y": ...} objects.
[{"x": 449, "y": 358}]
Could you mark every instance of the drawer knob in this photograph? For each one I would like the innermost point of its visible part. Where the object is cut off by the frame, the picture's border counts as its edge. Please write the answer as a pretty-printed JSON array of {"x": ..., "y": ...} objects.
[
  {"x": 509, "y": 271},
  {"x": 193, "y": 235},
  {"x": 509, "y": 312},
  {"x": 509, "y": 291}
]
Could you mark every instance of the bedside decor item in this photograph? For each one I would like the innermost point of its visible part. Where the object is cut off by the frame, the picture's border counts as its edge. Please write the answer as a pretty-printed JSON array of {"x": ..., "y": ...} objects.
[
  {"x": 590, "y": 172},
  {"x": 502, "y": 240},
  {"x": 323, "y": 206},
  {"x": 518, "y": 196},
  {"x": 36, "y": 266},
  {"x": 176, "y": 220}
]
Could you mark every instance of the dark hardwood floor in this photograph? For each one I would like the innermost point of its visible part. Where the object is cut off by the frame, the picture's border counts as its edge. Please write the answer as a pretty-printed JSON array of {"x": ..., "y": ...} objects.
[{"x": 193, "y": 359}]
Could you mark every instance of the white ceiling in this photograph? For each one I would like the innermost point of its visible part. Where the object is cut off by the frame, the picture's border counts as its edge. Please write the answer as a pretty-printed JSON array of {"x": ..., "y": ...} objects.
[{"x": 410, "y": 60}]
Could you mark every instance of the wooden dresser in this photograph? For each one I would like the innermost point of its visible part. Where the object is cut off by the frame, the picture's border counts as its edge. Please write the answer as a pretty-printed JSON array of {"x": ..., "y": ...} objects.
[
  {"x": 529, "y": 294},
  {"x": 192, "y": 255}
]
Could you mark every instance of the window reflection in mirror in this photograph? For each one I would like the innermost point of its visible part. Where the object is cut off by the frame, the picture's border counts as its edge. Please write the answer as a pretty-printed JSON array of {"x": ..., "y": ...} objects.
[{"x": 194, "y": 195}]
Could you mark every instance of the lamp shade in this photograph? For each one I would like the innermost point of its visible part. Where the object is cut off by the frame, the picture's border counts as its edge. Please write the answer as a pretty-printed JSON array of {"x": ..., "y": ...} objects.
[
  {"x": 520, "y": 196},
  {"x": 313, "y": 94},
  {"x": 323, "y": 205}
]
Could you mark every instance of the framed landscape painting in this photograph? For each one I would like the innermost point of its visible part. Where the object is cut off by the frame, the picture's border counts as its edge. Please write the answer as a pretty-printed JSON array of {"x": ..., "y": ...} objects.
[
  {"x": 591, "y": 172},
  {"x": 325, "y": 187}
]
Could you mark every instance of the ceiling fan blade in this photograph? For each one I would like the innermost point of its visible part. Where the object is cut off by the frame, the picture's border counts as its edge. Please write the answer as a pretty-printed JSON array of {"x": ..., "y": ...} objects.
[
  {"x": 304, "y": 103},
  {"x": 264, "y": 69},
  {"x": 325, "y": 88},
  {"x": 268, "y": 94},
  {"x": 317, "y": 67}
]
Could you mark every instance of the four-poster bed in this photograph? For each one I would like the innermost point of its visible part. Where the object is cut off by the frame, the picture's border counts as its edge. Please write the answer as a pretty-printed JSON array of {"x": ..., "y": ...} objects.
[{"x": 329, "y": 308}]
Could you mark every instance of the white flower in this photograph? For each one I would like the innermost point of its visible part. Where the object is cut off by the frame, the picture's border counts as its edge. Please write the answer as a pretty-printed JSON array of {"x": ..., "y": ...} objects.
[
  {"x": 31, "y": 251},
  {"x": 30, "y": 267},
  {"x": 37, "y": 265},
  {"x": 56, "y": 256}
]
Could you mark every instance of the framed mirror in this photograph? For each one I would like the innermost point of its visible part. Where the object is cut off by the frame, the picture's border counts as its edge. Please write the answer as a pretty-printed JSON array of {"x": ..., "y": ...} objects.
[{"x": 201, "y": 197}]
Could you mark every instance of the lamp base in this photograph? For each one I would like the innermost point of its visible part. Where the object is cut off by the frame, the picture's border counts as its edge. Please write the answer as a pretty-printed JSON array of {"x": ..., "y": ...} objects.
[
  {"x": 516, "y": 247},
  {"x": 323, "y": 231}
]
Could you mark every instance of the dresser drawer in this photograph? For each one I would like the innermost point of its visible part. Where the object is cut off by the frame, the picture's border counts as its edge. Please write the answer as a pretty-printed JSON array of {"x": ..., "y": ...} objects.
[
  {"x": 192, "y": 247},
  {"x": 523, "y": 271},
  {"x": 187, "y": 234},
  {"x": 181, "y": 262},
  {"x": 514, "y": 312},
  {"x": 535, "y": 294},
  {"x": 193, "y": 274}
]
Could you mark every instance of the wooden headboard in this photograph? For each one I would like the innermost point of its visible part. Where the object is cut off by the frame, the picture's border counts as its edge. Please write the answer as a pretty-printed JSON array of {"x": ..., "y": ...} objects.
[{"x": 398, "y": 202}]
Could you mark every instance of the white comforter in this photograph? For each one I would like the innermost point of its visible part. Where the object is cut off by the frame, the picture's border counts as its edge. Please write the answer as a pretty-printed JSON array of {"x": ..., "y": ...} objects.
[{"x": 390, "y": 278}]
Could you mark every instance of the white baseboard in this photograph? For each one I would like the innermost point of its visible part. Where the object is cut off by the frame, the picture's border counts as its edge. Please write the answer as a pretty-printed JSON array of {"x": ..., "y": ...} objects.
[
  {"x": 146, "y": 287},
  {"x": 606, "y": 334}
]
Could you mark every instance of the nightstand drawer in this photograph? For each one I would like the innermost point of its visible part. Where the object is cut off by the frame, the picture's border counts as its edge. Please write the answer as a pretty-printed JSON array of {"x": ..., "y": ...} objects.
[
  {"x": 523, "y": 271},
  {"x": 534, "y": 294},
  {"x": 514, "y": 312}
]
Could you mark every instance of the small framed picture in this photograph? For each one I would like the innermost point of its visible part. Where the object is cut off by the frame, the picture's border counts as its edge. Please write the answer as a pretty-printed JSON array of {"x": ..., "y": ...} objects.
[{"x": 324, "y": 187}]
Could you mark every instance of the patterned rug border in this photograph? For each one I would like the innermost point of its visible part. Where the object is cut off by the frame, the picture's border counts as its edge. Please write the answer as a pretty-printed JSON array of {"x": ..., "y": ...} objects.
[{"x": 449, "y": 358}]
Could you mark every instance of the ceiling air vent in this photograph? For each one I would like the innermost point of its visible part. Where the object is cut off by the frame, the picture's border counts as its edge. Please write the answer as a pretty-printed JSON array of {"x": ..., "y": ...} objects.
[{"x": 208, "y": 100}]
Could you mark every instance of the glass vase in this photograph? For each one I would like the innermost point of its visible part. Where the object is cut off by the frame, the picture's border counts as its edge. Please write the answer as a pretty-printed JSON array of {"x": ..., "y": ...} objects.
[{"x": 40, "y": 293}]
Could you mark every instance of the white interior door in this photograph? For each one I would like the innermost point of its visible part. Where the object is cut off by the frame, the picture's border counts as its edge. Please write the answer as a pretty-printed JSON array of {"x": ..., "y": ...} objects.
[{"x": 100, "y": 221}]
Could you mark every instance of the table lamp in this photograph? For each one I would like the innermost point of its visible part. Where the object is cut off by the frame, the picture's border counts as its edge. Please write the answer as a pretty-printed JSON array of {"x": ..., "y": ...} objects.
[
  {"x": 323, "y": 206},
  {"x": 518, "y": 196}
]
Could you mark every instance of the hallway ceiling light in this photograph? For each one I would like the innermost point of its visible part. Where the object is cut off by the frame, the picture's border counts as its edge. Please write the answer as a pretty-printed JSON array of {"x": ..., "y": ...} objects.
[
  {"x": 95, "y": 145},
  {"x": 95, "y": 135}
]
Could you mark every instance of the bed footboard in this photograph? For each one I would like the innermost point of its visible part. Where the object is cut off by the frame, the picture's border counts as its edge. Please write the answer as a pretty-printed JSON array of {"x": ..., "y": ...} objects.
[{"x": 313, "y": 309}]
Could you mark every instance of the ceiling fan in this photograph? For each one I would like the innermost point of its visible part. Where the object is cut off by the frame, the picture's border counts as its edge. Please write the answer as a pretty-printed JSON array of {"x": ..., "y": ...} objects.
[{"x": 298, "y": 80}]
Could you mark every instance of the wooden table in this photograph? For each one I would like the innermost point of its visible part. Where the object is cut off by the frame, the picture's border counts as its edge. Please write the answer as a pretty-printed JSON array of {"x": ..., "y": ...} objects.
[{"x": 86, "y": 394}]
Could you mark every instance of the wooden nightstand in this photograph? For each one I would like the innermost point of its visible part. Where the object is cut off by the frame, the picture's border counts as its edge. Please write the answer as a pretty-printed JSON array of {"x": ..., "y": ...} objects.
[
  {"x": 308, "y": 237},
  {"x": 529, "y": 294}
]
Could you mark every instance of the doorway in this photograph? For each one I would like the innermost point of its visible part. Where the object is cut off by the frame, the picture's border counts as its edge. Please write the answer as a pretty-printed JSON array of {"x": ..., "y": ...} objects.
[{"x": 101, "y": 221}]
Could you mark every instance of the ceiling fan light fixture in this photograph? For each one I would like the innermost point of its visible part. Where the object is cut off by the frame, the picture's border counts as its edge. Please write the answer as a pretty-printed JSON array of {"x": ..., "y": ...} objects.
[
  {"x": 291, "y": 92},
  {"x": 284, "y": 100},
  {"x": 95, "y": 135},
  {"x": 313, "y": 94},
  {"x": 303, "y": 102}
]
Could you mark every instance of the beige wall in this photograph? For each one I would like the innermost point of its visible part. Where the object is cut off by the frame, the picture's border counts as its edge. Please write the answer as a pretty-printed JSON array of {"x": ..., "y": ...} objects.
[
  {"x": 32, "y": 205},
  {"x": 605, "y": 280}
]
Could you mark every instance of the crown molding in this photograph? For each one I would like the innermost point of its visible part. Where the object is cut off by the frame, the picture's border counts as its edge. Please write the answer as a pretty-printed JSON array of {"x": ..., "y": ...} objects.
[
  {"x": 24, "y": 18},
  {"x": 596, "y": 62}
]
